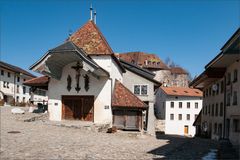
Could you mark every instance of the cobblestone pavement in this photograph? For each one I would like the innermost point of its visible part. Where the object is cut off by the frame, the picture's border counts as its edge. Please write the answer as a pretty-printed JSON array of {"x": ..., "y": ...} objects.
[{"x": 38, "y": 140}]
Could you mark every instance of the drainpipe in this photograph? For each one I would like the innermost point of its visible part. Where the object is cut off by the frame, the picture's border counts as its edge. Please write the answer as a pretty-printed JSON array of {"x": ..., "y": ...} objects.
[
  {"x": 224, "y": 108},
  {"x": 111, "y": 98}
]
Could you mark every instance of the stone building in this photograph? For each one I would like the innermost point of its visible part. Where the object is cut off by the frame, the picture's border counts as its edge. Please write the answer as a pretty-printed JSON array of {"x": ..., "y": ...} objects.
[
  {"x": 220, "y": 83},
  {"x": 168, "y": 76}
]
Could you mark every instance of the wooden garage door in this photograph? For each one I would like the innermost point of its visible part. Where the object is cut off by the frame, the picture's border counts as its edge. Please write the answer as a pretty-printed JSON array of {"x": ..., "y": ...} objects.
[
  {"x": 127, "y": 119},
  {"x": 78, "y": 107},
  {"x": 132, "y": 120}
]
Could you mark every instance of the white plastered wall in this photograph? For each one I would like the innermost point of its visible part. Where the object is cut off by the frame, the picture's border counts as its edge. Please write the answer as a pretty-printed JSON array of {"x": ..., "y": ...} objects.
[{"x": 99, "y": 88}]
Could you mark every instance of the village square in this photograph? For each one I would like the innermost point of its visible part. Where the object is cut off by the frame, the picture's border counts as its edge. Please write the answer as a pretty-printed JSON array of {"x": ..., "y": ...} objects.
[{"x": 82, "y": 99}]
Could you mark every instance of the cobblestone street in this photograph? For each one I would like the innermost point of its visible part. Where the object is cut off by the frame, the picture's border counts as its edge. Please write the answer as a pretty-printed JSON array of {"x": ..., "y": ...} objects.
[{"x": 38, "y": 140}]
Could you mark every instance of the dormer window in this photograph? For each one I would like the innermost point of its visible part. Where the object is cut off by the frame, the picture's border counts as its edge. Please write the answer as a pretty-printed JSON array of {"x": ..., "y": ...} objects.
[{"x": 158, "y": 63}]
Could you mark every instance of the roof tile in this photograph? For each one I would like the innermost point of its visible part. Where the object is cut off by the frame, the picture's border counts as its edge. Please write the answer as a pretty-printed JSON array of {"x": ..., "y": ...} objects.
[
  {"x": 181, "y": 91},
  {"x": 91, "y": 40}
]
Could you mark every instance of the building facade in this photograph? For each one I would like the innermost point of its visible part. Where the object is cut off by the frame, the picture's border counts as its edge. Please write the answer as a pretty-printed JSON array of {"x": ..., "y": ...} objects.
[
  {"x": 141, "y": 83},
  {"x": 168, "y": 76},
  {"x": 12, "y": 87},
  {"x": 221, "y": 93},
  {"x": 85, "y": 82},
  {"x": 176, "y": 109}
]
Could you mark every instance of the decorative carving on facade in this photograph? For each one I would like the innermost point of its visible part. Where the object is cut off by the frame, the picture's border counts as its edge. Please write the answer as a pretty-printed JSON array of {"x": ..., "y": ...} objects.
[
  {"x": 86, "y": 82},
  {"x": 69, "y": 83},
  {"x": 77, "y": 68}
]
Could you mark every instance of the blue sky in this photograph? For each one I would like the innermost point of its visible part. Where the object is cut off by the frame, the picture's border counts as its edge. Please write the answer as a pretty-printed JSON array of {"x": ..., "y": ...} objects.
[{"x": 191, "y": 33}]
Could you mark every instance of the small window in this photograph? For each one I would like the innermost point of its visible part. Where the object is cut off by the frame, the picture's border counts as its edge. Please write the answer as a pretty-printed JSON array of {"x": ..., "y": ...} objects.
[
  {"x": 172, "y": 104},
  {"x": 235, "y": 102},
  {"x": 206, "y": 92},
  {"x": 4, "y": 84},
  {"x": 188, "y": 117},
  {"x": 24, "y": 99},
  {"x": 7, "y": 84},
  {"x": 24, "y": 90},
  {"x": 222, "y": 86},
  {"x": 137, "y": 89},
  {"x": 228, "y": 99},
  {"x": 216, "y": 110},
  {"x": 171, "y": 116},
  {"x": 221, "y": 109},
  {"x": 179, "y": 116},
  {"x": 24, "y": 80},
  {"x": 17, "y": 88},
  {"x": 9, "y": 74},
  {"x": 235, "y": 75},
  {"x": 205, "y": 110},
  {"x": 196, "y": 105},
  {"x": 18, "y": 79},
  {"x": 212, "y": 110},
  {"x": 2, "y": 72},
  {"x": 144, "y": 90},
  {"x": 17, "y": 99},
  {"x": 236, "y": 125},
  {"x": 228, "y": 78},
  {"x": 209, "y": 110},
  {"x": 188, "y": 104},
  {"x": 180, "y": 104}
]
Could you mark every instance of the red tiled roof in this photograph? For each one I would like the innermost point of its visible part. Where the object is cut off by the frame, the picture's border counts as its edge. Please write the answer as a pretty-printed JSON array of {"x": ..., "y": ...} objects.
[
  {"x": 39, "y": 81},
  {"x": 140, "y": 58},
  {"x": 181, "y": 91},
  {"x": 122, "y": 97},
  {"x": 178, "y": 70},
  {"x": 91, "y": 40}
]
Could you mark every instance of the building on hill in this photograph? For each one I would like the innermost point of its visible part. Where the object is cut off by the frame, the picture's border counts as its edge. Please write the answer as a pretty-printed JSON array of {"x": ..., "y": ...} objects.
[
  {"x": 168, "y": 76},
  {"x": 220, "y": 82},
  {"x": 176, "y": 109}
]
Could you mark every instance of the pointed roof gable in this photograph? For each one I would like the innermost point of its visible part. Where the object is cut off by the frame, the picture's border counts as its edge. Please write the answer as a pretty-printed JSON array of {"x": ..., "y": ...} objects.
[
  {"x": 91, "y": 40},
  {"x": 123, "y": 97}
]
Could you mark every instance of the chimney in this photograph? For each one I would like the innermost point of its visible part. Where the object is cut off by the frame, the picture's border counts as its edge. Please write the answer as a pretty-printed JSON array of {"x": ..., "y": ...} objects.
[
  {"x": 95, "y": 17},
  {"x": 91, "y": 14}
]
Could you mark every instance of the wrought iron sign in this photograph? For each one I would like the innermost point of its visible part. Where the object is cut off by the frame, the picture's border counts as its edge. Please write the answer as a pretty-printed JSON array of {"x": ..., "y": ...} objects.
[
  {"x": 77, "y": 68},
  {"x": 69, "y": 83},
  {"x": 86, "y": 82}
]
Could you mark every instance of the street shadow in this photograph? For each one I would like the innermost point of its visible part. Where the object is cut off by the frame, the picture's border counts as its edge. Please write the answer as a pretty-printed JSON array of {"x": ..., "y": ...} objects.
[{"x": 173, "y": 143}]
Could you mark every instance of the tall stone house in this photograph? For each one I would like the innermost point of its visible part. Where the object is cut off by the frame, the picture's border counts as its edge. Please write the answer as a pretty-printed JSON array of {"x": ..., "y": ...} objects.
[
  {"x": 168, "y": 76},
  {"x": 220, "y": 82}
]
